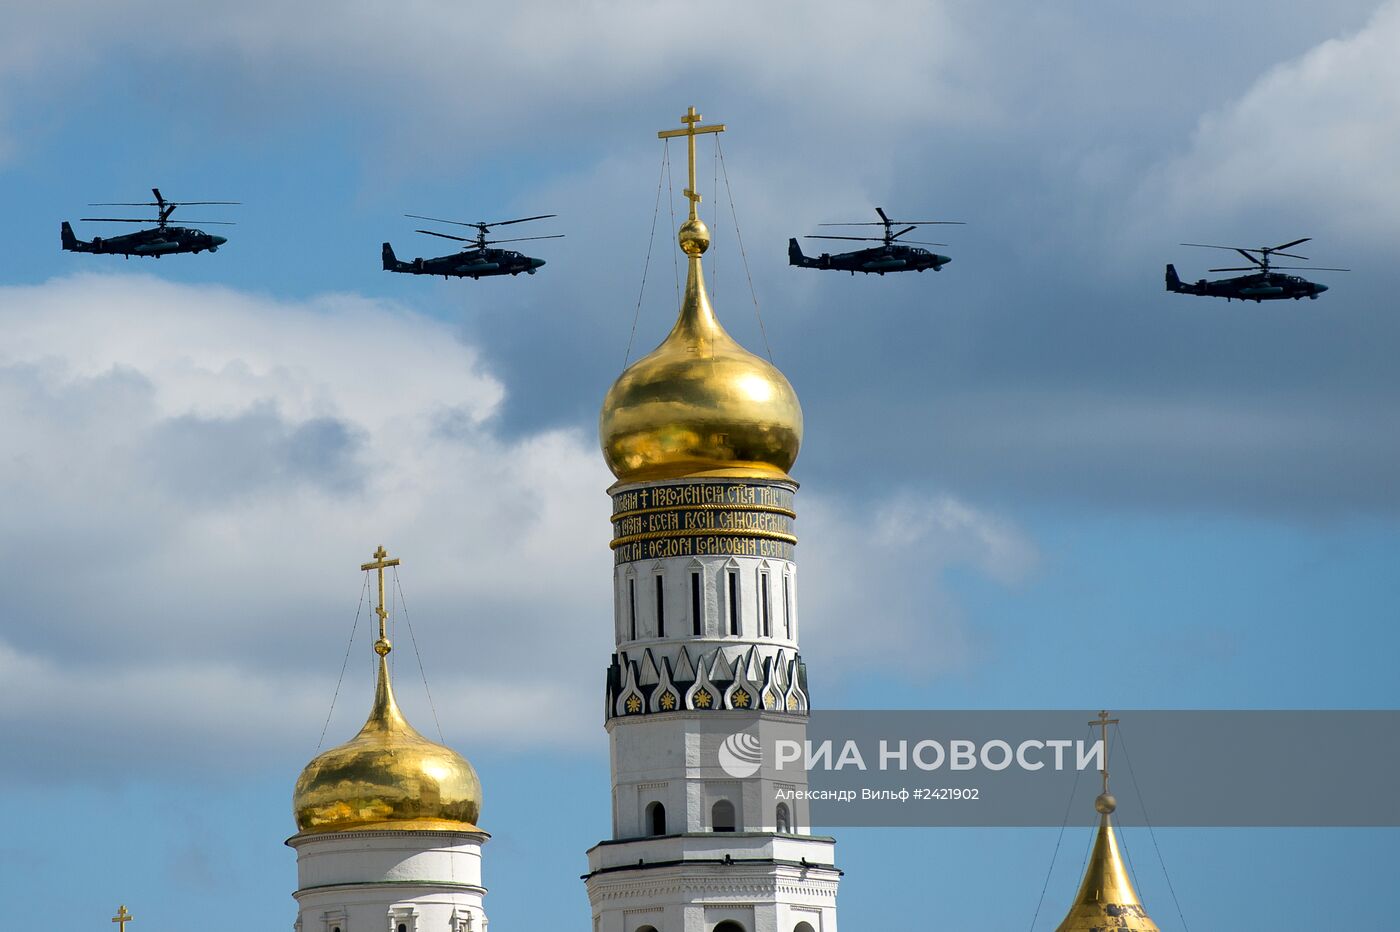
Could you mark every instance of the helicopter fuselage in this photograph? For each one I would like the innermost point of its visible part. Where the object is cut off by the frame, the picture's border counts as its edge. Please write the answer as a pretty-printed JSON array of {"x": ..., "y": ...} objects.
[
  {"x": 157, "y": 242},
  {"x": 470, "y": 263},
  {"x": 877, "y": 260},
  {"x": 1259, "y": 286}
]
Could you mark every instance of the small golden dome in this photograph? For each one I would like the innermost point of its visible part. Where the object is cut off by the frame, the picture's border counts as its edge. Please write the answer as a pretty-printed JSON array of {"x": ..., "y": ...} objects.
[
  {"x": 700, "y": 404},
  {"x": 387, "y": 777},
  {"x": 1106, "y": 898}
]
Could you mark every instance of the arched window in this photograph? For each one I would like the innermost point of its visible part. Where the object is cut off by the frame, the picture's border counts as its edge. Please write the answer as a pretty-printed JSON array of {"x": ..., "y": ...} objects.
[
  {"x": 632, "y": 607},
  {"x": 784, "y": 818},
  {"x": 803, "y": 927},
  {"x": 646, "y": 929},
  {"x": 697, "y": 615},
  {"x": 656, "y": 819},
  {"x": 722, "y": 816},
  {"x": 732, "y": 578},
  {"x": 729, "y": 925},
  {"x": 660, "y": 606},
  {"x": 765, "y": 608},
  {"x": 402, "y": 927},
  {"x": 787, "y": 606}
]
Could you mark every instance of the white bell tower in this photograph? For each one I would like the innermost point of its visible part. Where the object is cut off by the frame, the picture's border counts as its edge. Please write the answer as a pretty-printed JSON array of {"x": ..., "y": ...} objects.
[{"x": 707, "y": 836}]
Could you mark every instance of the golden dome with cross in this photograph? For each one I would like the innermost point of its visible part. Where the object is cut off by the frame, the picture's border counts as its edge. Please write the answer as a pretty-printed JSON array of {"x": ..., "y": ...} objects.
[
  {"x": 388, "y": 776},
  {"x": 699, "y": 405}
]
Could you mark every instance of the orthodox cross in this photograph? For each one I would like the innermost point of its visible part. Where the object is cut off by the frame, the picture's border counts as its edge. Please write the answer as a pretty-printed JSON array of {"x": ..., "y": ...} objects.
[
  {"x": 122, "y": 918},
  {"x": 1103, "y": 721},
  {"x": 691, "y": 130},
  {"x": 380, "y": 564}
]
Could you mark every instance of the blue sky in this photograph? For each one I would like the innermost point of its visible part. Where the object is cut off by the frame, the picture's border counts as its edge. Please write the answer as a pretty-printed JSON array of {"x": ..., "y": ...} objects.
[{"x": 1046, "y": 481}]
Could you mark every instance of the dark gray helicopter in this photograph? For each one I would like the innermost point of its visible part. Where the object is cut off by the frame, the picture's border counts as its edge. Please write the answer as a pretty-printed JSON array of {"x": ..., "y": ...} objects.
[
  {"x": 894, "y": 255},
  {"x": 162, "y": 240},
  {"x": 1263, "y": 284},
  {"x": 475, "y": 260}
]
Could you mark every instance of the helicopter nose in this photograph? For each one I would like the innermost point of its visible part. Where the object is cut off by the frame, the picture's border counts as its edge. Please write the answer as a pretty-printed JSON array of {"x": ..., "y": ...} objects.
[
  {"x": 218, "y": 240},
  {"x": 537, "y": 262},
  {"x": 1320, "y": 288}
]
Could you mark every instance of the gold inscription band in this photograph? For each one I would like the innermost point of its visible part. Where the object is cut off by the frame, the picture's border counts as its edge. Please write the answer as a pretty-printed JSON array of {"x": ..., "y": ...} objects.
[
  {"x": 657, "y": 535},
  {"x": 774, "y": 509}
]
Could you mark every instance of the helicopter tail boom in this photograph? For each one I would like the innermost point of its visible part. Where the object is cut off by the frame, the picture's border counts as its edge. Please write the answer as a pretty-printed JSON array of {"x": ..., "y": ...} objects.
[
  {"x": 70, "y": 241},
  {"x": 1173, "y": 280}
]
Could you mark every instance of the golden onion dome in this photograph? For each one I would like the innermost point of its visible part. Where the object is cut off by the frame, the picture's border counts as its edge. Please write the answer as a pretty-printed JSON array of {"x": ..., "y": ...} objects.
[
  {"x": 1106, "y": 898},
  {"x": 700, "y": 404},
  {"x": 387, "y": 777}
]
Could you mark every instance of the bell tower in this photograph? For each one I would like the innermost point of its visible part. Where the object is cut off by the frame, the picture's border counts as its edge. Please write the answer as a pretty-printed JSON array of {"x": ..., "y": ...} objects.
[{"x": 707, "y": 836}]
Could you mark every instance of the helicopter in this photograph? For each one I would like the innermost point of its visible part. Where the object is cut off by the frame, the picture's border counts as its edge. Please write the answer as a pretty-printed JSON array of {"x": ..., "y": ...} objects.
[
  {"x": 1263, "y": 283},
  {"x": 895, "y": 255},
  {"x": 475, "y": 260},
  {"x": 162, "y": 240}
]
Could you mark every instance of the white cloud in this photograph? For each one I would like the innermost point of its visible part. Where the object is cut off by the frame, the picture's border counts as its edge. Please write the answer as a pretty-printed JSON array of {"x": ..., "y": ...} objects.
[
  {"x": 193, "y": 474},
  {"x": 872, "y": 578},
  {"x": 1315, "y": 138}
]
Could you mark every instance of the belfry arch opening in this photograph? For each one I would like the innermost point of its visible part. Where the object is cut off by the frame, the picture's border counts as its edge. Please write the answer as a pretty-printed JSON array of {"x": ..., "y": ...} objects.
[
  {"x": 656, "y": 819},
  {"x": 729, "y": 925},
  {"x": 722, "y": 818}
]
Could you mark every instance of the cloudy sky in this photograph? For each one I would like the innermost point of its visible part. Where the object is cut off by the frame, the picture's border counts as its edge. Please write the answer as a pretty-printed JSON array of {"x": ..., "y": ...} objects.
[{"x": 1050, "y": 483}]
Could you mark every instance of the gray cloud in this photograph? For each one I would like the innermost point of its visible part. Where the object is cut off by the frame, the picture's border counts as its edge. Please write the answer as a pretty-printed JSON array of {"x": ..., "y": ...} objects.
[{"x": 206, "y": 458}]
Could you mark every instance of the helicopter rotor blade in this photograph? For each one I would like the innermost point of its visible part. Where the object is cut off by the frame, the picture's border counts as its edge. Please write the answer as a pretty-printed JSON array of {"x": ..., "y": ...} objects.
[
  {"x": 1238, "y": 268},
  {"x": 502, "y": 223},
  {"x": 1247, "y": 249},
  {"x": 521, "y": 239},
  {"x": 873, "y": 239},
  {"x": 1251, "y": 257},
  {"x": 460, "y": 223},
  {"x": 918, "y": 223},
  {"x": 919, "y": 242},
  {"x": 155, "y": 203},
  {"x": 881, "y": 212},
  {"x": 1294, "y": 243},
  {"x": 460, "y": 239},
  {"x": 902, "y": 232},
  {"x": 1310, "y": 268},
  {"x": 224, "y": 223}
]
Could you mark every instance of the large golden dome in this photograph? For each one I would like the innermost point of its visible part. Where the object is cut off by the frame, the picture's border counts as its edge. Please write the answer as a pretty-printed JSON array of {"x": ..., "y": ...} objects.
[
  {"x": 387, "y": 777},
  {"x": 700, "y": 404}
]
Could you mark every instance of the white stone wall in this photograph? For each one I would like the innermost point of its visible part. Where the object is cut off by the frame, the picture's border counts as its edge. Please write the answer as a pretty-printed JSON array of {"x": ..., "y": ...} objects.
[
  {"x": 672, "y": 758},
  {"x": 677, "y": 603},
  {"x": 376, "y": 881}
]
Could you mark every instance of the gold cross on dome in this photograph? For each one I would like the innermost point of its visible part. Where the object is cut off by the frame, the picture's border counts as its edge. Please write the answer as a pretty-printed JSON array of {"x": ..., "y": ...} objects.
[
  {"x": 1103, "y": 721},
  {"x": 691, "y": 130},
  {"x": 381, "y": 564},
  {"x": 122, "y": 918}
]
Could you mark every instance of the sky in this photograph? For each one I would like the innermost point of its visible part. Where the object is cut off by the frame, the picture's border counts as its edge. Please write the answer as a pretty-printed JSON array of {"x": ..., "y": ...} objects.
[{"x": 1046, "y": 482}]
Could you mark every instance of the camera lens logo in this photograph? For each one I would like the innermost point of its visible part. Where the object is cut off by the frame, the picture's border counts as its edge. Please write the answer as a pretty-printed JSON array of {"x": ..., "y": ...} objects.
[{"x": 740, "y": 755}]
